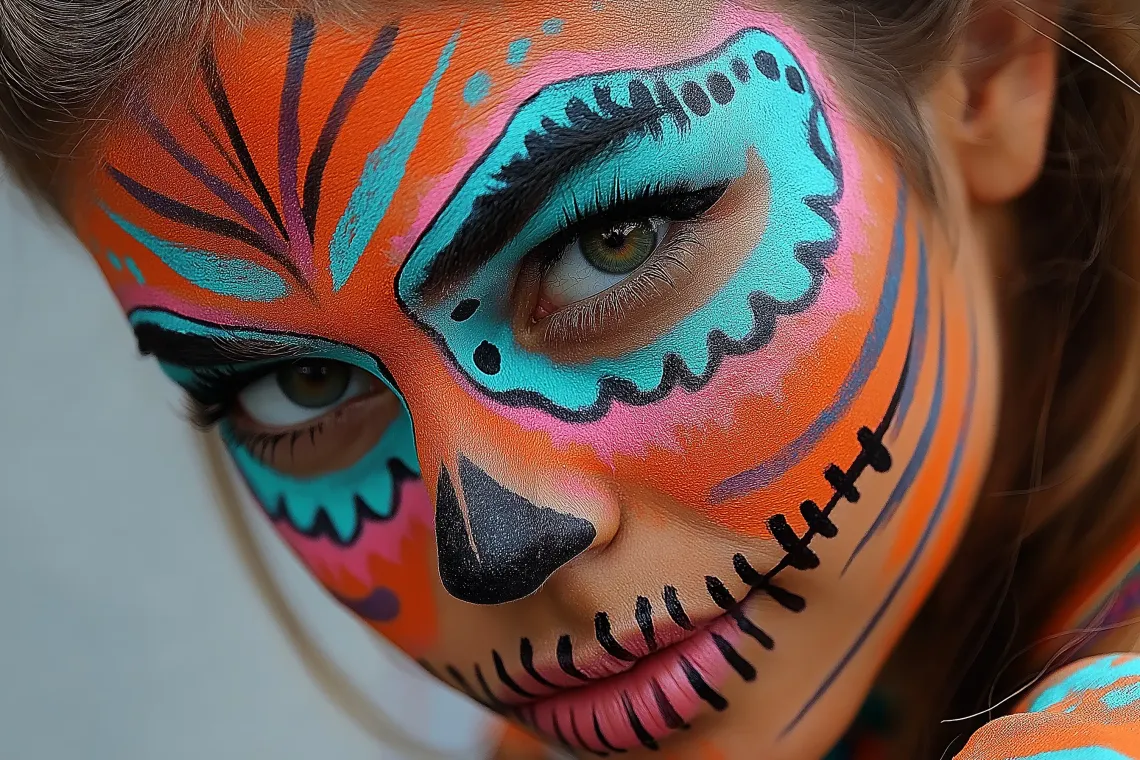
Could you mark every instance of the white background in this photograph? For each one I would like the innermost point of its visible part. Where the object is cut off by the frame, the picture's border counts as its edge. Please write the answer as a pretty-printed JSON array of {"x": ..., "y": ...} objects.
[{"x": 128, "y": 628}]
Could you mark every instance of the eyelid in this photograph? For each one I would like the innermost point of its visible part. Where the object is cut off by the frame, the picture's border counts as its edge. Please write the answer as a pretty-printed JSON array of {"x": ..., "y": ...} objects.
[{"x": 677, "y": 203}]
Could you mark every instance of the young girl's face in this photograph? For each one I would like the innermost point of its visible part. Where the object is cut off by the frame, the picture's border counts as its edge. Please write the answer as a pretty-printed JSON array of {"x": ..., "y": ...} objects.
[{"x": 590, "y": 352}]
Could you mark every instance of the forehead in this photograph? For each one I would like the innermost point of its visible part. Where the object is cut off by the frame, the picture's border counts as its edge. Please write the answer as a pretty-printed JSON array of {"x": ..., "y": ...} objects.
[{"x": 305, "y": 158}]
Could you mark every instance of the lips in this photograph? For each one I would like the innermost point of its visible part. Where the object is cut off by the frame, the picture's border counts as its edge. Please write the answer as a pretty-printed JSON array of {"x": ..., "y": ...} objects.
[{"x": 639, "y": 701}]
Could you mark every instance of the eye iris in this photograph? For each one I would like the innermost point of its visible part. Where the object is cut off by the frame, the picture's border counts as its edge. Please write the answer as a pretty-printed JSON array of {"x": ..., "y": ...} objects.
[
  {"x": 621, "y": 248},
  {"x": 313, "y": 385}
]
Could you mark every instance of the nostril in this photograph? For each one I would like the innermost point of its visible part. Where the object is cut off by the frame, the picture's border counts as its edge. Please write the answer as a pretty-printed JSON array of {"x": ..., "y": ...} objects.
[{"x": 513, "y": 546}]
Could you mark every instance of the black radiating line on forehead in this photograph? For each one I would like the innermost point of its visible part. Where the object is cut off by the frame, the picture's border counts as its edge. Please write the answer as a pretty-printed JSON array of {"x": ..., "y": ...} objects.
[
  {"x": 212, "y": 78},
  {"x": 181, "y": 213},
  {"x": 192, "y": 351},
  {"x": 365, "y": 68},
  {"x": 528, "y": 179}
]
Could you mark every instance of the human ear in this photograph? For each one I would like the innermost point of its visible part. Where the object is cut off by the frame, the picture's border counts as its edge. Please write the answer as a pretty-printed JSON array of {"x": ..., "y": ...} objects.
[{"x": 1004, "y": 79}]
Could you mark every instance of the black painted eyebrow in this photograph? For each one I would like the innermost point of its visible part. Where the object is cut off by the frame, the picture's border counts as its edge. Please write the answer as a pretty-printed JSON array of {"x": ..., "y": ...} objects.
[
  {"x": 190, "y": 351},
  {"x": 528, "y": 179}
]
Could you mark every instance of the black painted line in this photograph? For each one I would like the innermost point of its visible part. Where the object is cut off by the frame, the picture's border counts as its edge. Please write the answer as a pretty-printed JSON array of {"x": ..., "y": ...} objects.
[
  {"x": 742, "y": 666},
  {"x": 505, "y": 677},
  {"x": 526, "y": 654},
  {"x": 675, "y": 610},
  {"x": 605, "y": 637}
]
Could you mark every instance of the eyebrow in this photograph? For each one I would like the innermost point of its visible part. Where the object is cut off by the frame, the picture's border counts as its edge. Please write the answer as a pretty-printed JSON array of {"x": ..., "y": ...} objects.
[
  {"x": 529, "y": 178},
  {"x": 191, "y": 351}
]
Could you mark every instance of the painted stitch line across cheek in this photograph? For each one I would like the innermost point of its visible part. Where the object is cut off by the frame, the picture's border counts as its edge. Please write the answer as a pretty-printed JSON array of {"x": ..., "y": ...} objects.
[{"x": 655, "y": 678}]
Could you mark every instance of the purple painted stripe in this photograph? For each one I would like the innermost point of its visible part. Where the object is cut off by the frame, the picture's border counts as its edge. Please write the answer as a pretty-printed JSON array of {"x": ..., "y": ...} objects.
[
  {"x": 221, "y": 189},
  {"x": 772, "y": 469},
  {"x": 935, "y": 517},
  {"x": 289, "y": 143},
  {"x": 914, "y": 466}
]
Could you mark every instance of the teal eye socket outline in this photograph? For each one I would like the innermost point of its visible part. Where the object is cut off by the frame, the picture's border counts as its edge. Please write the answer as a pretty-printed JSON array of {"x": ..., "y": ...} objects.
[
  {"x": 563, "y": 154},
  {"x": 335, "y": 505}
]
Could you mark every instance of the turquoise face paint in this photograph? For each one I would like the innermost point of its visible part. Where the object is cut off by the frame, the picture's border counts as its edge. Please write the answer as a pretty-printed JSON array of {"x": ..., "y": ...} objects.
[
  {"x": 478, "y": 87},
  {"x": 133, "y": 268},
  {"x": 336, "y": 504},
  {"x": 1099, "y": 674},
  {"x": 701, "y": 121},
  {"x": 552, "y": 26},
  {"x": 517, "y": 50},
  {"x": 380, "y": 179},
  {"x": 237, "y": 278}
]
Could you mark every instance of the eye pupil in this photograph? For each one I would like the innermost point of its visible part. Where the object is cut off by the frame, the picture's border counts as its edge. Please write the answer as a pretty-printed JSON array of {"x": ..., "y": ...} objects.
[
  {"x": 314, "y": 384},
  {"x": 620, "y": 248}
]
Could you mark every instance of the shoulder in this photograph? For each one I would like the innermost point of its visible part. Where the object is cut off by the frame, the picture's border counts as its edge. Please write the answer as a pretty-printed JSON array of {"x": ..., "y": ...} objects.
[{"x": 1089, "y": 710}]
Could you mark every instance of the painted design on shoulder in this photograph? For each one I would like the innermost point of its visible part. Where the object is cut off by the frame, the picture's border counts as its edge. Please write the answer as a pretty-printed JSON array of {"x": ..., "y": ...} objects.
[{"x": 579, "y": 146}]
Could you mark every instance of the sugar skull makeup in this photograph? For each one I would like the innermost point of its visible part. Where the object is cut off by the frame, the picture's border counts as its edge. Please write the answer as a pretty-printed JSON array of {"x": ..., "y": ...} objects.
[{"x": 608, "y": 380}]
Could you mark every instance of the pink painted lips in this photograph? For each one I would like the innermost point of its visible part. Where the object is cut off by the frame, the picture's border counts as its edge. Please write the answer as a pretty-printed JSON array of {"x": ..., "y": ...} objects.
[{"x": 638, "y": 703}]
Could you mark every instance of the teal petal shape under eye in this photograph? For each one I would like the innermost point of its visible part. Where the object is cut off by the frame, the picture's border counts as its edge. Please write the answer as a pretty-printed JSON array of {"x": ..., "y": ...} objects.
[
  {"x": 381, "y": 178},
  {"x": 236, "y": 278}
]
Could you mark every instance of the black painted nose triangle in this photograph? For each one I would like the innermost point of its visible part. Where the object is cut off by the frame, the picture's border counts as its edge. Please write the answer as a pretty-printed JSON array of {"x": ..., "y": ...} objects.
[{"x": 517, "y": 545}]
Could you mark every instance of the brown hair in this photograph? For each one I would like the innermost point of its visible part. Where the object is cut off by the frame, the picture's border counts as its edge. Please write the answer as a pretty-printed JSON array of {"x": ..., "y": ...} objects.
[{"x": 1065, "y": 480}]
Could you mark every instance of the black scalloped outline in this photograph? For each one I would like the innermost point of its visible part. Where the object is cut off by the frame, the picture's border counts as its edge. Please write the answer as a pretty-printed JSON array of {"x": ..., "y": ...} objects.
[{"x": 765, "y": 309}]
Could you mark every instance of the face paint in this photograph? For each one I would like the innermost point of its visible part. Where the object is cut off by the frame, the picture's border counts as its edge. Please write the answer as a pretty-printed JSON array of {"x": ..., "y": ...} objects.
[{"x": 682, "y": 362}]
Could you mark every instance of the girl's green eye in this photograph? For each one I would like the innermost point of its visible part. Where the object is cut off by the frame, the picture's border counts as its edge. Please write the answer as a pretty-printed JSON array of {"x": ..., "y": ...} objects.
[
  {"x": 620, "y": 248},
  {"x": 314, "y": 384}
]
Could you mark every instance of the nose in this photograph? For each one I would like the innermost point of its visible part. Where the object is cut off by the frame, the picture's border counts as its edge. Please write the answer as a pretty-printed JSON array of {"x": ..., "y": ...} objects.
[{"x": 507, "y": 546}]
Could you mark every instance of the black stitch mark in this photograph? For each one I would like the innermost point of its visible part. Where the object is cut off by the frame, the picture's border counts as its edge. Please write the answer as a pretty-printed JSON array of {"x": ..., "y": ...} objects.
[
  {"x": 578, "y": 736},
  {"x": 605, "y": 637},
  {"x": 817, "y": 520},
  {"x": 566, "y": 659},
  {"x": 877, "y": 454},
  {"x": 703, "y": 690},
  {"x": 428, "y": 667},
  {"x": 750, "y": 629},
  {"x": 602, "y": 737},
  {"x": 465, "y": 687},
  {"x": 675, "y": 610},
  {"x": 720, "y": 87},
  {"x": 494, "y": 701},
  {"x": 786, "y": 599},
  {"x": 720, "y": 593},
  {"x": 526, "y": 654},
  {"x": 873, "y": 453},
  {"x": 643, "y": 736},
  {"x": 488, "y": 359},
  {"x": 695, "y": 98},
  {"x": 558, "y": 730},
  {"x": 643, "y": 613},
  {"x": 766, "y": 64},
  {"x": 795, "y": 79},
  {"x": 672, "y": 106},
  {"x": 740, "y": 70},
  {"x": 505, "y": 677},
  {"x": 465, "y": 310},
  {"x": 665, "y": 707},
  {"x": 742, "y": 666},
  {"x": 799, "y": 556},
  {"x": 842, "y": 483}
]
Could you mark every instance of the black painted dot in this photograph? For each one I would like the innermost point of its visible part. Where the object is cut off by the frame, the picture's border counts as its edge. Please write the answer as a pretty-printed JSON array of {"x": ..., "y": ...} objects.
[
  {"x": 740, "y": 69},
  {"x": 465, "y": 309},
  {"x": 795, "y": 79},
  {"x": 695, "y": 98},
  {"x": 766, "y": 65},
  {"x": 488, "y": 359},
  {"x": 720, "y": 88}
]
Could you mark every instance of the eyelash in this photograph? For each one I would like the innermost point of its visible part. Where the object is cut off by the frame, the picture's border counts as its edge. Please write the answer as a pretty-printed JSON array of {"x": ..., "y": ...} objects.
[
  {"x": 213, "y": 396},
  {"x": 675, "y": 203}
]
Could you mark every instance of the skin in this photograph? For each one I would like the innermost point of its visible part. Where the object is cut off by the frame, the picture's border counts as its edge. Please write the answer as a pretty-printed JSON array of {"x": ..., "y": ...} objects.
[{"x": 492, "y": 490}]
